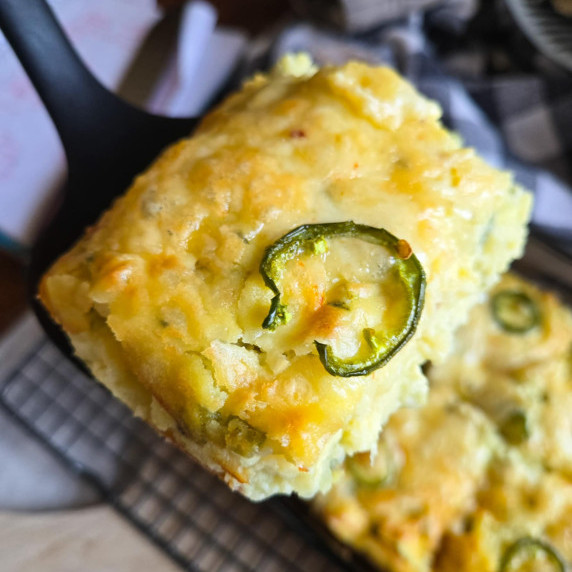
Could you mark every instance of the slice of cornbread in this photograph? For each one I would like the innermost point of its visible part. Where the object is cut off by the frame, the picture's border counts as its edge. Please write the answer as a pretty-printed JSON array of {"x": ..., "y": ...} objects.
[
  {"x": 165, "y": 300},
  {"x": 479, "y": 479}
]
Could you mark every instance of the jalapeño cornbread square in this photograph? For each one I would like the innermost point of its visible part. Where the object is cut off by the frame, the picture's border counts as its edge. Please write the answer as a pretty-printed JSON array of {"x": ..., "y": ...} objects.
[
  {"x": 478, "y": 479},
  {"x": 396, "y": 505},
  {"x": 515, "y": 364},
  {"x": 265, "y": 293}
]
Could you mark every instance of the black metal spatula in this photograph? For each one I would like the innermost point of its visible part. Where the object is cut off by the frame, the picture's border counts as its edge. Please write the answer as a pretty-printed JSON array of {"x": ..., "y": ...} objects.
[{"x": 106, "y": 141}]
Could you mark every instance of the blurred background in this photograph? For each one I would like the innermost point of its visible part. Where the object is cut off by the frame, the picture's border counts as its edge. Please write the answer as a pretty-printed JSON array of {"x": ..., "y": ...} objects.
[{"x": 501, "y": 69}]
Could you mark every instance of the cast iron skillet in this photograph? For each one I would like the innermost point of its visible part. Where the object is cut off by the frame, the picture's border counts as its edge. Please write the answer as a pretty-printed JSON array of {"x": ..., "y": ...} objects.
[{"x": 106, "y": 141}]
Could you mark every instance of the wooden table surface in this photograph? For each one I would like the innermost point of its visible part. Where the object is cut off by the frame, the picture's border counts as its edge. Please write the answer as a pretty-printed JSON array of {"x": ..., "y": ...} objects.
[{"x": 94, "y": 539}]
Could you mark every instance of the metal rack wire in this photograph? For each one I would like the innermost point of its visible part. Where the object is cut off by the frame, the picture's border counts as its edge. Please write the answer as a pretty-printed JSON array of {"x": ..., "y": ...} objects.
[{"x": 187, "y": 512}]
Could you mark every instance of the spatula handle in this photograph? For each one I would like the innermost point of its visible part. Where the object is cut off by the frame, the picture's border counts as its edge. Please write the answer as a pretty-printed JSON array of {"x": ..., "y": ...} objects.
[
  {"x": 74, "y": 99},
  {"x": 99, "y": 131}
]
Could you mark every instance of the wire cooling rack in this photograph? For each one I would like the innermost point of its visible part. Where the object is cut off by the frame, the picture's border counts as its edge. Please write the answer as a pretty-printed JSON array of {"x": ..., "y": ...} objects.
[
  {"x": 194, "y": 518},
  {"x": 187, "y": 512}
]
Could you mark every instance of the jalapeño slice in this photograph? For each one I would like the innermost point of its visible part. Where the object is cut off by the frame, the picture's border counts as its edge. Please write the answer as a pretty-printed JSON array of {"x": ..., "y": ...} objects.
[
  {"x": 312, "y": 238},
  {"x": 514, "y": 428},
  {"x": 380, "y": 473},
  {"x": 526, "y": 548},
  {"x": 514, "y": 311}
]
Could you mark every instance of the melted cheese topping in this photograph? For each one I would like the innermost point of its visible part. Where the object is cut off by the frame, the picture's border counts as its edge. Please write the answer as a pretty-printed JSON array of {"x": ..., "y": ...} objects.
[{"x": 164, "y": 300}]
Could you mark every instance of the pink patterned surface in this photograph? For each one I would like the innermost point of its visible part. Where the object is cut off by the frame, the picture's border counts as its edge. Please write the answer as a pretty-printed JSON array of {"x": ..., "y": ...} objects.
[{"x": 106, "y": 33}]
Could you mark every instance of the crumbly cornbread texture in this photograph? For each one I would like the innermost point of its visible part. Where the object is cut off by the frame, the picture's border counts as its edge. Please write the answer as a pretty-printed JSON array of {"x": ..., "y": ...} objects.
[
  {"x": 486, "y": 463},
  {"x": 164, "y": 301}
]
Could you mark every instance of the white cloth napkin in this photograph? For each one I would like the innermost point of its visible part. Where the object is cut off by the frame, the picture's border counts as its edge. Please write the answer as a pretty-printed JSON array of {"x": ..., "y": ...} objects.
[{"x": 358, "y": 16}]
